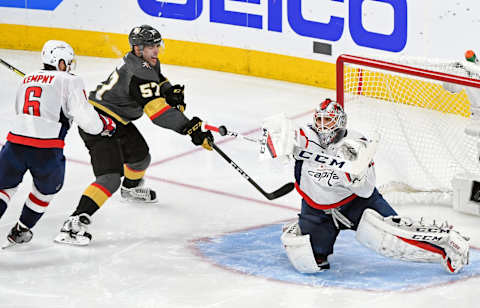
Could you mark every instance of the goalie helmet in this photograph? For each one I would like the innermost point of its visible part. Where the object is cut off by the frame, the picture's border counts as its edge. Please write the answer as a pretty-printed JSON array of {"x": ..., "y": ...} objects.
[
  {"x": 329, "y": 121},
  {"x": 54, "y": 51},
  {"x": 145, "y": 35}
]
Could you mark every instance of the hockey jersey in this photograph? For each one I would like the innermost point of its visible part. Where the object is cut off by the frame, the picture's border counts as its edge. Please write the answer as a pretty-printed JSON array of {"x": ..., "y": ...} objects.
[
  {"x": 321, "y": 186},
  {"x": 47, "y": 102},
  {"x": 134, "y": 88}
]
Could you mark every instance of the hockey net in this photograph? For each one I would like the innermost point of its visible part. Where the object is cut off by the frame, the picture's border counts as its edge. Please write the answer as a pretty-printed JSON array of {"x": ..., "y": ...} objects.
[{"x": 421, "y": 125}]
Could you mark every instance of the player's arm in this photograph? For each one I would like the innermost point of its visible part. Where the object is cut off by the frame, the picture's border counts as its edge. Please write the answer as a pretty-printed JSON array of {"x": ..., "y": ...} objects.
[
  {"x": 83, "y": 113},
  {"x": 361, "y": 184},
  {"x": 149, "y": 95}
]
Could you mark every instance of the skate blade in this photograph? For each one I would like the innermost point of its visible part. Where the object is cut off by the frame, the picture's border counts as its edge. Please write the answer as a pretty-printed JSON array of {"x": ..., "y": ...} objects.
[
  {"x": 68, "y": 240},
  {"x": 138, "y": 202},
  {"x": 9, "y": 245}
]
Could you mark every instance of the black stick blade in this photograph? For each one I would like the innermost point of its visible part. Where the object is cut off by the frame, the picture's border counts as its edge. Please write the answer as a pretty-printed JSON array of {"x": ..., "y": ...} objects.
[{"x": 282, "y": 191}]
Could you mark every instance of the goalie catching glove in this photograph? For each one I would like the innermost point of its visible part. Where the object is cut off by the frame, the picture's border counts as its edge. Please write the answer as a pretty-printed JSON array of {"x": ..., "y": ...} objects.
[
  {"x": 175, "y": 97},
  {"x": 350, "y": 148},
  {"x": 199, "y": 137},
  {"x": 109, "y": 126}
]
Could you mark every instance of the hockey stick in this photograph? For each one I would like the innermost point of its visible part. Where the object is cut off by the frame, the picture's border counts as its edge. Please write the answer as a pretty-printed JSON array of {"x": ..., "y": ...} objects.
[
  {"x": 354, "y": 167},
  {"x": 12, "y": 68},
  {"x": 285, "y": 189},
  {"x": 223, "y": 131}
]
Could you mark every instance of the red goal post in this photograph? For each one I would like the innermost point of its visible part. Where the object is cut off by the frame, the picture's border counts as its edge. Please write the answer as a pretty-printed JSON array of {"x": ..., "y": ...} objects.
[{"x": 421, "y": 124}]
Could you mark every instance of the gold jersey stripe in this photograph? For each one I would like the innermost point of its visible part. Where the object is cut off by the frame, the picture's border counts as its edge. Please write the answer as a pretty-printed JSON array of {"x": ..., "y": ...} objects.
[
  {"x": 97, "y": 193},
  {"x": 132, "y": 174},
  {"x": 154, "y": 106},
  {"x": 109, "y": 112}
]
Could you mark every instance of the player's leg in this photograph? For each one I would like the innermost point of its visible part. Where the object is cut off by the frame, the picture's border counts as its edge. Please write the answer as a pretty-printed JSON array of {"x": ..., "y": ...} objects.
[
  {"x": 47, "y": 167},
  {"x": 107, "y": 162},
  {"x": 310, "y": 242},
  {"x": 354, "y": 210},
  {"x": 12, "y": 170},
  {"x": 137, "y": 159}
]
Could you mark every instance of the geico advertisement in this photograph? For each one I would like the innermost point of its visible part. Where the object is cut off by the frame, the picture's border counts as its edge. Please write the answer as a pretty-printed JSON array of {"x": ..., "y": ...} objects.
[{"x": 316, "y": 29}]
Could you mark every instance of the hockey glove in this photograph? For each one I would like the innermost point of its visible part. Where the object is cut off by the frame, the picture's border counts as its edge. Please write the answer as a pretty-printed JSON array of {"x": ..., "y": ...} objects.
[
  {"x": 194, "y": 130},
  {"x": 109, "y": 126},
  {"x": 174, "y": 97},
  {"x": 350, "y": 148}
]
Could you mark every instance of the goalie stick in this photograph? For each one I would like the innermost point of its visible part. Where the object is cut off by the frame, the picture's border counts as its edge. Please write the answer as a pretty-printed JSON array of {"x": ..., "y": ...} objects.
[
  {"x": 354, "y": 167},
  {"x": 12, "y": 68},
  {"x": 285, "y": 189}
]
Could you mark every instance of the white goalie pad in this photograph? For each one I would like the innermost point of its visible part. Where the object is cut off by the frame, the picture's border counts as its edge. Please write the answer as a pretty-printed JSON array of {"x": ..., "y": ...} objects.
[
  {"x": 279, "y": 137},
  {"x": 466, "y": 194},
  {"x": 400, "y": 238},
  {"x": 298, "y": 248}
]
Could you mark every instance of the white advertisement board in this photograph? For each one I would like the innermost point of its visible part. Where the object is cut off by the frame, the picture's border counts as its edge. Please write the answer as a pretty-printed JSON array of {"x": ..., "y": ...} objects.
[
  {"x": 311, "y": 30},
  {"x": 289, "y": 27}
]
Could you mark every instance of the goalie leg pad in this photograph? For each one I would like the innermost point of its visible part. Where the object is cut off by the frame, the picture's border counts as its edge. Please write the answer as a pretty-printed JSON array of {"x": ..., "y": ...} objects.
[
  {"x": 399, "y": 238},
  {"x": 298, "y": 248}
]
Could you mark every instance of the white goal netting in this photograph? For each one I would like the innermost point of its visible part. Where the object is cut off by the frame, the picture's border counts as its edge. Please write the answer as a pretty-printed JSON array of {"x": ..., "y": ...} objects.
[{"x": 421, "y": 124}]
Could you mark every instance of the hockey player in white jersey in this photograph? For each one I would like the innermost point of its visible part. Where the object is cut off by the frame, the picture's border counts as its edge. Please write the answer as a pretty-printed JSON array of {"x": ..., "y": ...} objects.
[
  {"x": 47, "y": 102},
  {"x": 334, "y": 200}
]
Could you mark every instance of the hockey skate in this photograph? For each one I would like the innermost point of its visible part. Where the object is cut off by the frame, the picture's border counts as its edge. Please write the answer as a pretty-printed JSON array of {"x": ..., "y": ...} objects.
[
  {"x": 322, "y": 262},
  {"x": 18, "y": 235},
  {"x": 74, "y": 231},
  {"x": 138, "y": 194}
]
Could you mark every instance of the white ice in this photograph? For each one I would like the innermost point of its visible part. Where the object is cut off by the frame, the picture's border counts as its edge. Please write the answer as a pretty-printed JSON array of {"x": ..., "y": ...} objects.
[{"x": 142, "y": 256}]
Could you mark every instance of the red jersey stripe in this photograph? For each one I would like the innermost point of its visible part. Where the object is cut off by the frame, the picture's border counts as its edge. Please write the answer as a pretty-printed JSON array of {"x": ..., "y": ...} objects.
[
  {"x": 318, "y": 206},
  {"x": 159, "y": 113},
  {"x": 35, "y": 142}
]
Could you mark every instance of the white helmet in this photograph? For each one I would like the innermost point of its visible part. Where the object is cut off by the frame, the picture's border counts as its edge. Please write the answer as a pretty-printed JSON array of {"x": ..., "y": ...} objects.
[
  {"x": 53, "y": 51},
  {"x": 330, "y": 122}
]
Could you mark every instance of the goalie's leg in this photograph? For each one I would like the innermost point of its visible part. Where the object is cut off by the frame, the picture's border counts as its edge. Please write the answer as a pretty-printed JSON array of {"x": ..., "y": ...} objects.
[
  {"x": 401, "y": 238},
  {"x": 299, "y": 250},
  {"x": 321, "y": 230}
]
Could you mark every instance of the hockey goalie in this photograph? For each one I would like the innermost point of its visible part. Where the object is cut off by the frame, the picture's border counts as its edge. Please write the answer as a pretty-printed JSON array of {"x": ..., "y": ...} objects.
[{"x": 335, "y": 176}]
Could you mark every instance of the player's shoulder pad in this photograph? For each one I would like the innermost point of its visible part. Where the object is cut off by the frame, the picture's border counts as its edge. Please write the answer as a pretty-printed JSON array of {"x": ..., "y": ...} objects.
[{"x": 139, "y": 68}]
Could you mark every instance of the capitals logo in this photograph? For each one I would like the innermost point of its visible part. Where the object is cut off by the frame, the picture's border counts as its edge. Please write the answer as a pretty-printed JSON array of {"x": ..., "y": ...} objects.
[{"x": 325, "y": 177}]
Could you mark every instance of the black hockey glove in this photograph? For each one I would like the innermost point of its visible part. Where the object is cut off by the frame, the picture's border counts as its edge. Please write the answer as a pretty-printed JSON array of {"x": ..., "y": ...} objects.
[
  {"x": 199, "y": 137},
  {"x": 174, "y": 97}
]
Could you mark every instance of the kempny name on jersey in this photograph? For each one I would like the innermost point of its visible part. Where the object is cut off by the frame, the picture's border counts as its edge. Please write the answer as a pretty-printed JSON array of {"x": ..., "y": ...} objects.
[{"x": 39, "y": 78}]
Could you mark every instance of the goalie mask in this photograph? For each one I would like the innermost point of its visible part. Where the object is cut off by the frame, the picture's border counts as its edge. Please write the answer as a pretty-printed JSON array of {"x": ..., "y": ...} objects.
[
  {"x": 145, "y": 35},
  {"x": 55, "y": 51},
  {"x": 330, "y": 122}
]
